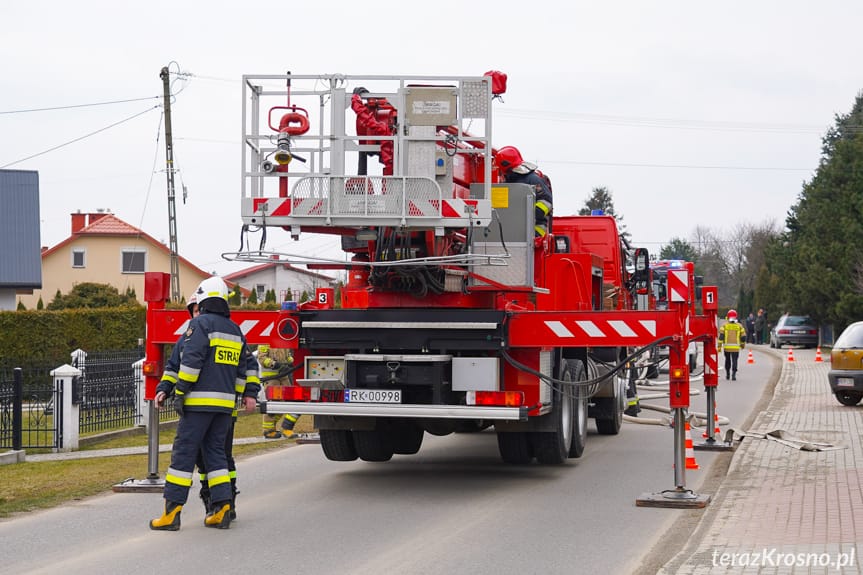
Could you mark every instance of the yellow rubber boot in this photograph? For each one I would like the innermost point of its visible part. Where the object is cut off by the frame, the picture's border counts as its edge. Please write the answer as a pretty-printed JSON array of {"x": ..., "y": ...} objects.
[
  {"x": 170, "y": 519},
  {"x": 220, "y": 516}
]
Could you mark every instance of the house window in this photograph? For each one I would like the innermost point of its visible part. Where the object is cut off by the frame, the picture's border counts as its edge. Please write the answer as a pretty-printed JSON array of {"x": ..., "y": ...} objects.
[
  {"x": 78, "y": 258},
  {"x": 262, "y": 291},
  {"x": 134, "y": 261}
]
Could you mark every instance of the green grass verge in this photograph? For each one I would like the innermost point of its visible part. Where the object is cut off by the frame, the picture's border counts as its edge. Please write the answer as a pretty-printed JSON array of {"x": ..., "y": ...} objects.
[{"x": 31, "y": 486}]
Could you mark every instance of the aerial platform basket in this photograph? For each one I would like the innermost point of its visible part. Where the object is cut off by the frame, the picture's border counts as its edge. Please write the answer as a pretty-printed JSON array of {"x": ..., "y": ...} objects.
[{"x": 321, "y": 175}]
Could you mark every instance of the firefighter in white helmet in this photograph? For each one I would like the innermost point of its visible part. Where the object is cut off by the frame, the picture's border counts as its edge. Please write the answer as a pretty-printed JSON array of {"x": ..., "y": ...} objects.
[
  {"x": 213, "y": 370},
  {"x": 253, "y": 387}
]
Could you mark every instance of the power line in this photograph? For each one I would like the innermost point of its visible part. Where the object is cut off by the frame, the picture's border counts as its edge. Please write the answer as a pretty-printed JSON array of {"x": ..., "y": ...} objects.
[
  {"x": 668, "y": 123},
  {"x": 57, "y": 147},
  {"x": 69, "y": 107},
  {"x": 684, "y": 166}
]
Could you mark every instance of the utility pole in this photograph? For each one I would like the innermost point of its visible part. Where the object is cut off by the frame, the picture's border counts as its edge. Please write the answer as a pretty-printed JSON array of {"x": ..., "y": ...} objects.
[{"x": 172, "y": 208}]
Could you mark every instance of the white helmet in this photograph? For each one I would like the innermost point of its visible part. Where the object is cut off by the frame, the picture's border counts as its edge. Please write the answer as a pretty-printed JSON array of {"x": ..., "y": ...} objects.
[
  {"x": 192, "y": 301},
  {"x": 211, "y": 287}
]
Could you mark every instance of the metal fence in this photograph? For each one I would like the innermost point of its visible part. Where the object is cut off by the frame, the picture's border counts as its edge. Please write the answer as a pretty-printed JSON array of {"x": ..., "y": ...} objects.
[
  {"x": 108, "y": 389},
  {"x": 28, "y": 408},
  {"x": 107, "y": 395}
]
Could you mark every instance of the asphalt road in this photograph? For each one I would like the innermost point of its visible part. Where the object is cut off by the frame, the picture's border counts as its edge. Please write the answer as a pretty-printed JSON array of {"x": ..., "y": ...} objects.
[{"x": 452, "y": 508}]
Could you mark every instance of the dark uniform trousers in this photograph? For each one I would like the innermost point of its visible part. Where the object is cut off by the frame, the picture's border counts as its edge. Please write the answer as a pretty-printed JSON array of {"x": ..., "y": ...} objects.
[{"x": 208, "y": 429}]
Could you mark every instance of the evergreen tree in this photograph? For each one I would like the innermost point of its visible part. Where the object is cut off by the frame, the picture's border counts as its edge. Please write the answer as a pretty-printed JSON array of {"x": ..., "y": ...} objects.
[
  {"x": 21, "y": 306},
  {"x": 678, "y": 249},
  {"x": 253, "y": 297},
  {"x": 39, "y": 304},
  {"x": 91, "y": 295},
  {"x": 818, "y": 259},
  {"x": 600, "y": 199},
  {"x": 235, "y": 298}
]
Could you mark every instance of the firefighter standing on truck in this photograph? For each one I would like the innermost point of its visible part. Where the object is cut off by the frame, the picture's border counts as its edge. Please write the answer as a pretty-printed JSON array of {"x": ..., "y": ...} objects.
[
  {"x": 274, "y": 361},
  {"x": 732, "y": 338},
  {"x": 212, "y": 369},
  {"x": 516, "y": 171}
]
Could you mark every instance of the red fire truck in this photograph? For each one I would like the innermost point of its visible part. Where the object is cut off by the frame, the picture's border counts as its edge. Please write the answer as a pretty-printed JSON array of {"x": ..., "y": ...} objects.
[{"x": 454, "y": 316}]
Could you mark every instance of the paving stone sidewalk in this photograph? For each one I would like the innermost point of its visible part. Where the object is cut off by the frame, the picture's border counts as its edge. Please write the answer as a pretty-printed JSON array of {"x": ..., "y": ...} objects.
[{"x": 781, "y": 509}]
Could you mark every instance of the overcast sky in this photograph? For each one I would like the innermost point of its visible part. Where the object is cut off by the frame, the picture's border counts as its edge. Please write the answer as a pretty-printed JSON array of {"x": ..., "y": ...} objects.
[{"x": 690, "y": 113}]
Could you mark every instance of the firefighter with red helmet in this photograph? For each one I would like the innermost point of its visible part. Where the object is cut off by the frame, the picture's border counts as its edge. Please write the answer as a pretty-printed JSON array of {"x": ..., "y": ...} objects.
[
  {"x": 517, "y": 171},
  {"x": 213, "y": 369},
  {"x": 732, "y": 338}
]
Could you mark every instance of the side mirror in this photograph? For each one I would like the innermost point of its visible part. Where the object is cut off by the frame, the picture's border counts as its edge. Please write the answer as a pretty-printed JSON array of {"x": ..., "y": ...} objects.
[{"x": 642, "y": 265}]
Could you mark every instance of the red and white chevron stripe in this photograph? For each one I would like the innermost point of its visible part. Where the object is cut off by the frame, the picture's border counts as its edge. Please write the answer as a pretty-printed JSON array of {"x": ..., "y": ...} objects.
[
  {"x": 678, "y": 285},
  {"x": 599, "y": 329}
]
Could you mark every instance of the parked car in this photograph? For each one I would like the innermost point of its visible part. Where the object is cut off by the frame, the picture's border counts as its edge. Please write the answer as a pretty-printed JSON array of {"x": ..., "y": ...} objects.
[
  {"x": 846, "y": 365},
  {"x": 659, "y": 360},
  {"x": 794, "y": 330}
]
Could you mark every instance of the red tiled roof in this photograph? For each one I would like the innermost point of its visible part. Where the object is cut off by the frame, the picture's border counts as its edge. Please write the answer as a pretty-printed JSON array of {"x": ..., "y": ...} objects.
[
  {"x": 234, "y": 276},
  {"x": 111, "y": 225}
]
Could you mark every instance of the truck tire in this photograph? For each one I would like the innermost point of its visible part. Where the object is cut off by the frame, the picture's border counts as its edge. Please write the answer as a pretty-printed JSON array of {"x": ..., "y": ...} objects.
[
  {"x": 612, "y": 410},
  {"x": 375, "y": 445},
  {"x": 579, "y": 411},
  {"x": 406, "y": 436},
  {"x": 553, "y": 447},
  {"x": 514, "y": 447},
  {"x": 338, "y": 444}
]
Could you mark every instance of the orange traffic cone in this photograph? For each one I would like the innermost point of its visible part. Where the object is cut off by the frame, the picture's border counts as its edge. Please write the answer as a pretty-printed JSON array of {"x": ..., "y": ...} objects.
[
  {"x": 818, "y": 354},
  {"x": 690, "y": 450},
  {"x": 716, "y": 431},
  {"x": 750, "y": 359},
  {"x": 791, "y": 354}
]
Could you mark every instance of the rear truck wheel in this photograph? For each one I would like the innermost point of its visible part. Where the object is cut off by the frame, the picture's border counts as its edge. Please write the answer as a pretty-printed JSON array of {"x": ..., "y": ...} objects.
[
  {"x": 611, "y": 410},
  {"x": 575, "y": 368},
  {"x": 405, "y": 436},
  {"x": 514, "y": 447},
  {"x": 849, "y": 398},
  {"x": 471, "y": 425},
  {"x": 552, "y": 447},
  {"x": 653, "y": 371},
  {"x": 374, "y": 445},
  {"x": 338, "y": 444}
]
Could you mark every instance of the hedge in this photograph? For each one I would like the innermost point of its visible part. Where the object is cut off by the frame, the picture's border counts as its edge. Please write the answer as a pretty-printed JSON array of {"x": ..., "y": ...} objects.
[{"x": 33, "y": 335}]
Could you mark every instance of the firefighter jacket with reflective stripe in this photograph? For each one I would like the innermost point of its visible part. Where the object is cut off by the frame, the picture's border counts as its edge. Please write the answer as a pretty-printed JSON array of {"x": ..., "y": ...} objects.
[
  {"x": 249, "y": 388},
  {"x": 732, "y": 335},
  {"x": 213, "y": 365},
  {"x": 272, "y": 360},
  {"x": 542, "y": 201}
]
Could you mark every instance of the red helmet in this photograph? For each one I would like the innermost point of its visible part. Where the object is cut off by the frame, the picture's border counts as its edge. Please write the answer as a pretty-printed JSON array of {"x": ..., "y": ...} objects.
[
  {"x": 508, "y": 158},
  {"x": 732, "y": 314}
]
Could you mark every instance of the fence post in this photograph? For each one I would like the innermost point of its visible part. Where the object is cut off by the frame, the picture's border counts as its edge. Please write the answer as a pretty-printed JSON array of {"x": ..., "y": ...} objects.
[
  {"x": 17, "y": 409},
  {"x": 67, "y": 417}
]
